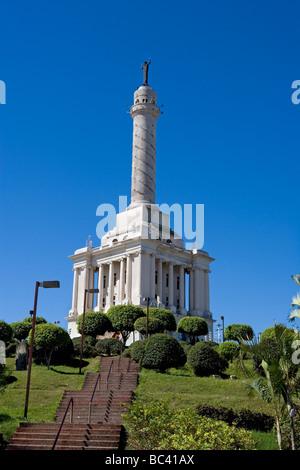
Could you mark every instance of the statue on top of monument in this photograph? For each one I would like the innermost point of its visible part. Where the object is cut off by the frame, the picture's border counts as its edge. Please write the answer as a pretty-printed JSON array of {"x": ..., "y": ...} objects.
[{"x": 145, "y": 67}]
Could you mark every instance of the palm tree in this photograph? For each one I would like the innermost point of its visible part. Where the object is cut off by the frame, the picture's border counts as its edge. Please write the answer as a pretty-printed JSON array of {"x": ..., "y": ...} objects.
[{"x": 282, "y": 377}]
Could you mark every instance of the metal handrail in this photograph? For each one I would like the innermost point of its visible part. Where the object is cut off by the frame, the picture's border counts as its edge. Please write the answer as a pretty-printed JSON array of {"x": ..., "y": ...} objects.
[
  {"x": 108, "y": 375},
  {"x": 71, "y": 402},
  {"x": 93, "y": 394}
]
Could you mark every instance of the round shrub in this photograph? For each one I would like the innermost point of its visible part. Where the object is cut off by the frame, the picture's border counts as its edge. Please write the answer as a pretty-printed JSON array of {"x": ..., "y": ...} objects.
[
  {"x": 88, "y": 347},
  {"x": 5, "y": 331},
  {"x": 20, "y": 330},
  {"x": 137, "y": 350},
  {"x": 154, "y": 325},
  {"x": 185, "y": 346},
  {"x": 192, "y": 327},
  {"x": 109, "y": 347},
  {"x": 205, "y": 360},
  {"x": 163, "y": 352},
  {"x": 48, "y": 338},
  {"x": 165, "y": 316},
  {"x": 229, "y": 350},
  {"x": 95, "y": 323},
  {"x": 122, "y": 318},
  {"x": 238, "y": 332}
]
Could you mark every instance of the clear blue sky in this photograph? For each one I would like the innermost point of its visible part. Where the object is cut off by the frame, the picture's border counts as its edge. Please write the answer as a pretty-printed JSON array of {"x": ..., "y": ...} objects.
[{"x": 228, "y": 138}]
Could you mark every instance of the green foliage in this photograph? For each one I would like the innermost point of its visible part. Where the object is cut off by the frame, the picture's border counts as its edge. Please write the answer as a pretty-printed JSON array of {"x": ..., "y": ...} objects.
[
  {"x": 123, "y": 317},
  {"x": 238, "y": 332},
  {"x": 244, "y": 418},
  {"x": 205, "y": 360},
  {"x": 163, "y": 352},
  {"x": 21, "y": 328},
  {"x": 286, "y": 432},
  {"x": 165, "y": 316},
  {"x": 137, "y": 350},
  {"x": 95, "y": 323},
  {"x": 5, "y": 332},
  {"x": 109, "y": 347},
  {"x": 192, "y": 327},
  {"x": 88, "y": 347},
  {"x": 47, "y": 338},
  {"x": 185, "y": 346},
  {"x": 229, "y": 350},
  {"x": 157, "y": 427},
  {"x": 154, "y": 326}
]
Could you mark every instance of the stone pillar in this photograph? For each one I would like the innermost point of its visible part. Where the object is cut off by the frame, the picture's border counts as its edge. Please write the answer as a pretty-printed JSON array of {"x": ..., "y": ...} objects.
[
  {"x": 191, "y": 291},
  {"x": 110, "y": 284},
  {"x": 100, "y": 286},
  {"x": 90, "y": 285},
  {"x": 122, "y": 281},
  {"x": 74, "y": 310},
  {"x": 128, "y": 278},
  {"x": 171, "y": 285},
  {"x": 144, "y": 113},
  {"x": 198, "y": 290},
  {"x": 152, "y": 277},
  {"x": 181, "y": 289},
  {"x": 206, "y": 290},
  {"x": 159, "y": 282}
]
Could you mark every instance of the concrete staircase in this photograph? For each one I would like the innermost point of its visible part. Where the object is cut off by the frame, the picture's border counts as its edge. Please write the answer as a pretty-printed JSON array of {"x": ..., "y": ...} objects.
[{"x": 86, "y": 427}]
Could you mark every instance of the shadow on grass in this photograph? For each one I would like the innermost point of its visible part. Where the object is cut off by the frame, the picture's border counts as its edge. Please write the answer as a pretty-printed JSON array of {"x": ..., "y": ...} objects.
[
  {"x": 75, "y": 363},
  {"x": 4, "y": 418}
]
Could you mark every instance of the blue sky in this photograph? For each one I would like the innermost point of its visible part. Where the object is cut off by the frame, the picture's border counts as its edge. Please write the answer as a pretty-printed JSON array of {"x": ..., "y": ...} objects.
[{"x": 228, "y": 139}]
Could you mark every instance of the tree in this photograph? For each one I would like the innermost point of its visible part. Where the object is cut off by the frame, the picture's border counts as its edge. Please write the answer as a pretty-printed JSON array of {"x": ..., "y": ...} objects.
[
  {"x": 154, "y": 325},
  {"x": 123, "y": 317},
  {"x": 282, "y": 376},
  {"x": 162, "y": 352},
  {"x": 229, "y": 350},
  {"x": 48, "y": 337},
  {"x": 192, "y": 327},
  {"x": 205, "y": 360},
  {"x": 238, "y": 333},
  {"x": 95, "y": 323},
  {"x": 5, "y": 332},
  {"x": 165, "y": 316}
]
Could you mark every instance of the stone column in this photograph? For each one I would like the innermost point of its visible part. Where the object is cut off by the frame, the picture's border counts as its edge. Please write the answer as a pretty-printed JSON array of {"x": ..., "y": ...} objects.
[
  {"x": 171, "y": 285},
  {"x": 128, "y": 278},
  {"x": 197, "y": 292},
  {"x": 122, "y": 281},
  {"x": 110, "y": 284},
  {"x": 191, "y": 291},
  {"x": 181, "y": 289},
  {"x": 90, "y": 285},
  {"x": 152, "y": 277},
  {"x": 100, "y": 285},
  {"x": 74, "y": 311},
  {"x": 206, "y": 290},
  {"x": 159, "y": 282}
]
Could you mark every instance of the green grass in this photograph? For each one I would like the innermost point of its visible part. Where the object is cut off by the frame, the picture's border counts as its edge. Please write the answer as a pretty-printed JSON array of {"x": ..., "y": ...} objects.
[
  {"x": 46, "y": 389},
  {"x": 179, "y": 386}
]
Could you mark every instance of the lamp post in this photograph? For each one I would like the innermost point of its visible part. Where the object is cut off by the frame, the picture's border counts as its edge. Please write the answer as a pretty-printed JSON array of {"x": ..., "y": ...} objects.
[
  {"x": 87, "y": 291},
  {"x": 222, "y": 318},
  {"x": 46, "y": 285},
  {"x": 147, "y": 317}
]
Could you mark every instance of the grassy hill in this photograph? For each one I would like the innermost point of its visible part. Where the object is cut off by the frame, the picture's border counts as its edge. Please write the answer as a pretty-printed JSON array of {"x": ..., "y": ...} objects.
[{"x": 179, "y": 386}]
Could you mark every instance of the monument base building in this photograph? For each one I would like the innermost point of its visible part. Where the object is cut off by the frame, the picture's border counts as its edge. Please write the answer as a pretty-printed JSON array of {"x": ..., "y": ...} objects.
[{"x": 142, "y": 257}]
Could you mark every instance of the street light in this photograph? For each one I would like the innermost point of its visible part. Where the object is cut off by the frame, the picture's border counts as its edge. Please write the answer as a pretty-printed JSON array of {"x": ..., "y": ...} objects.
[
  {"x": 47, "y": 285},
  {"x": 90, "y": 291},
  {"x": 147, "y": 318},
  {"x": 222, "y": 318}
]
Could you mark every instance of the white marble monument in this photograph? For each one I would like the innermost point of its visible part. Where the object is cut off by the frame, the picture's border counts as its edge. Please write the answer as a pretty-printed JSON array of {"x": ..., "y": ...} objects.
[{"x": 141, "y": 257}]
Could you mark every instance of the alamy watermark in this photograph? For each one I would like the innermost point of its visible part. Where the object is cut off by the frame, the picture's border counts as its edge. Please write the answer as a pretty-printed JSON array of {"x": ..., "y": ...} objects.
[
  {"x": 188, "y": 222},
  {"x": 2, "y": 92},
  {"x": 296, "y": 94}
]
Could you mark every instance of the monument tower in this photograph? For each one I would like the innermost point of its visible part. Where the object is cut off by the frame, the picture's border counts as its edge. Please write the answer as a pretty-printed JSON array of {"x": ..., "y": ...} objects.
[{"x": 142, "y": 257}]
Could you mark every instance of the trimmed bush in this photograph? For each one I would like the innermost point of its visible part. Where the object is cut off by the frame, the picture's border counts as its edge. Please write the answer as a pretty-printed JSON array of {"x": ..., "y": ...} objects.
[
  {"x": 154, "y": 325},
  {"x": 229, "y": 350},
  {"x": 109, "y": 347},
  {"x": 88, "y": 347},
  {"x": 95, "y": 323},
  {"x": 238, "y": 332},
  {"x": 165, "y": 316},
  {"x": 192, "y": 327},
  {"x": 163, "y": 352},
  {"x": 185, "y": 346},
  {"x": 137, "y": 350},
  {"x": 244, "y": 418},
  {"x": 205, "y": 360},
  {"x": 47, "y": 338}
]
